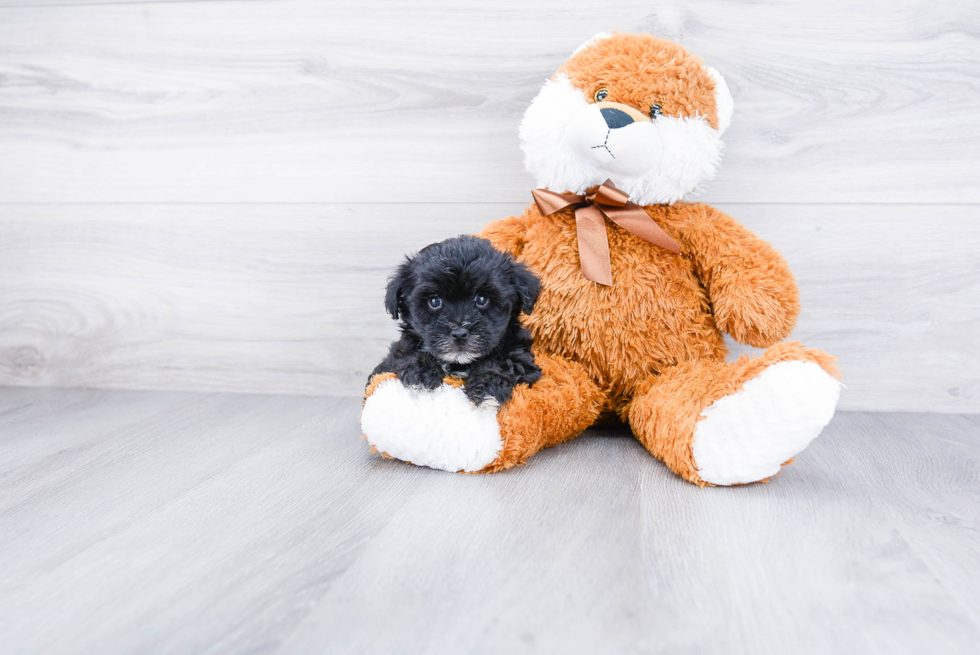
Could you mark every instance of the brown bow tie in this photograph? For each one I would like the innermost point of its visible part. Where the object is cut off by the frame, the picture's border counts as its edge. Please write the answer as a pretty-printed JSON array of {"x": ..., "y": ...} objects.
[{"x": 591, "y": 212}]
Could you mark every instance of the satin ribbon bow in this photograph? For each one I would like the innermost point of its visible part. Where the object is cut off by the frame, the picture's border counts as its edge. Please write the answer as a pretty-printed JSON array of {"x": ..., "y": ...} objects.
[{"x": 591, "y": 212}]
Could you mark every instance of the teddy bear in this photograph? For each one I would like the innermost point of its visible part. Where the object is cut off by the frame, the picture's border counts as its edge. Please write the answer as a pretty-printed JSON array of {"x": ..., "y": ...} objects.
[{"x": 637, "y": 287}]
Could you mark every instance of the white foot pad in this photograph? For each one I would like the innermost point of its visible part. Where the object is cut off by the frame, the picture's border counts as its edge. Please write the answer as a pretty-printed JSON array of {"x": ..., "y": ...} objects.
[
  {"x": 440, "y": 429},
  {"x": 746, "y": 437}
]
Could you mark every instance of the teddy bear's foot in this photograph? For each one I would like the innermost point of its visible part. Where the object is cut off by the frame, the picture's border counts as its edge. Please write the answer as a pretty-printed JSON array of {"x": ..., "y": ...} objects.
[
  {"x": 749, "y": 435},
  {"x": 440, "y": 428},
  {"x": 717, "y": 423}
]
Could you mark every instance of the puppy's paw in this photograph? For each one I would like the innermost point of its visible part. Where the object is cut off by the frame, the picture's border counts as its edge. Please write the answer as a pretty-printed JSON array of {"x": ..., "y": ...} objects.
[
  {"x": 493, "y": 389},
  {"x": 420, "y": 376},
  {"x": 523, "y": 367},
  {"x": 529, "y": 376}
]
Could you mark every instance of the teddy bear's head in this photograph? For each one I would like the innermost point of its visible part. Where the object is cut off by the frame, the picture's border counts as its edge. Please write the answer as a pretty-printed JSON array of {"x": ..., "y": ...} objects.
[{"x": 633, "y": 108}]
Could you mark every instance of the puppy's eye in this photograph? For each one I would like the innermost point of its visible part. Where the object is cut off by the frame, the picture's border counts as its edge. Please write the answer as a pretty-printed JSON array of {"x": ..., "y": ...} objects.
[
  {"x": 656, "y": 111},
  {"x": 481, "y": 301},
  {"x": 601, "y": 95},
  {"x": 435, "y": 303}
]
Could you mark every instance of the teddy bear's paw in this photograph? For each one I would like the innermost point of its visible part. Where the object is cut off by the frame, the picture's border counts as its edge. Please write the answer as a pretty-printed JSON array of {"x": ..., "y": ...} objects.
[
  {"x": 440, "y": 429},
  {"x": 748, "y": 435}
]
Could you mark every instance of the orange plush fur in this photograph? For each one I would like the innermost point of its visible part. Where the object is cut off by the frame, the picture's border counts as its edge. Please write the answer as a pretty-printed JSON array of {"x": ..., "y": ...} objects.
[
  {"x": 651, "y": 343},
  {"x": 648, "y": 349},
  {"x": 643, "y": 71}
]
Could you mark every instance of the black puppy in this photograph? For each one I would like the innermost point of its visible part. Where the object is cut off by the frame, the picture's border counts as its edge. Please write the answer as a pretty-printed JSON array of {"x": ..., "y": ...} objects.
[{"x": 458, "y": 301}]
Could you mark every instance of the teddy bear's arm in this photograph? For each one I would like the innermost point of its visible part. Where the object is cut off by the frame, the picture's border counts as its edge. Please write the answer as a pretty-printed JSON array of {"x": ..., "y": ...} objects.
[
  {"x": 507, "y": 234},
  {"x": 752, "y": 289}
]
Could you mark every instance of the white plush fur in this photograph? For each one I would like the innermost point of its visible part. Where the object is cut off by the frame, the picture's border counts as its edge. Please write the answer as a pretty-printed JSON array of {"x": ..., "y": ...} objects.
[
  {"x": 591, "y": 42},
  {"x": 567, "y": 146},
  {"x": 440, "y": 429},
  {"x": 655, "y": 162},
  {"x": 724, "y": 103},
  {"x": 747, "y": 436}
]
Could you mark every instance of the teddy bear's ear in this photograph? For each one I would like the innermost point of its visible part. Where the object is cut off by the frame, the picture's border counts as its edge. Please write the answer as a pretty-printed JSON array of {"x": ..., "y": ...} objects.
[
  {"x": 723, "y": 100},
  {"x": 591, "y": 42},
  {"x": 527, "y": 286},
  {"x": 399, "y": 286}
]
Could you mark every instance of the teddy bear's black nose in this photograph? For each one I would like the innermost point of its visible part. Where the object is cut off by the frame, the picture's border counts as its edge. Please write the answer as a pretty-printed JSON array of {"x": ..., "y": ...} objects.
[
  {"x": 615, "y": 117},
  {"x": 460, "y": 334}
]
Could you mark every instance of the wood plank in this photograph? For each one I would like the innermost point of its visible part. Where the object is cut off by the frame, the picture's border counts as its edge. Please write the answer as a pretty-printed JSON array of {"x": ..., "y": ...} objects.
[
  {"x": 632, "y": 559},
  {"x": 82, "y": 3},
  {"x": 28, "y": 413},
  {"x": 193, "y": 528},
  {"x": 460, "y": 569},
  {"x": 930, "y": 465},
  {"x": 838, "y": 101},
  {"x": 287, "y": 299},
  {"x": 262, "y": 523},
  {"x": 186, "y": 296},
  {"x": 843, "y": 504},
  {"x": 893, "y": 291}
]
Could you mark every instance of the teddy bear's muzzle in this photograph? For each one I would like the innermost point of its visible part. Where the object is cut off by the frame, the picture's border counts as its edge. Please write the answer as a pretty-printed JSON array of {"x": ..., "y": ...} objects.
[{"x": 614, "y": 138}]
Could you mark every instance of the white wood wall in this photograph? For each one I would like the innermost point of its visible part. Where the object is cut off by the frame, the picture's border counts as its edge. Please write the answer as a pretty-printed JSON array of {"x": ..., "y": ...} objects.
[{"x": 209, "y": 195}]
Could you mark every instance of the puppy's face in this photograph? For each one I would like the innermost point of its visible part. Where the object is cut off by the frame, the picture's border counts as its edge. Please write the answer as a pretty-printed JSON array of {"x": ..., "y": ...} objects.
[
  {"x": 459, "y": 296},
  {"x": 632, "y": 108}
]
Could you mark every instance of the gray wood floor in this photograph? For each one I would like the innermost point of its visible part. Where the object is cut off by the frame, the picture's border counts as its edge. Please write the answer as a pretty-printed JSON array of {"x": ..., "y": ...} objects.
[{"x": 187, "y": 522}]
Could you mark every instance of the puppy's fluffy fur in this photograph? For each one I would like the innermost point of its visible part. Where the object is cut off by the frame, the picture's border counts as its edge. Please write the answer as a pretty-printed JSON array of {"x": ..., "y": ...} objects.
[{"x": 458, "y": 302}]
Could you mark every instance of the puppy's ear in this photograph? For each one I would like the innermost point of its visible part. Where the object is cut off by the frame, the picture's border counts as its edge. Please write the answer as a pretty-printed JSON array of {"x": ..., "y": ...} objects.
[
  {"x": 527, "y": 286},
  {"x": 399, "y": 286}
]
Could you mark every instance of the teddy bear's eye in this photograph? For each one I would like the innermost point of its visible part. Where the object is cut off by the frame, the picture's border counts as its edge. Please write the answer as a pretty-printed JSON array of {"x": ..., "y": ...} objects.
[
  {"x": 435, "y": 303},
  {"x": 601, "y": 95},
  {"x": 481, "y": 301},
  {"x": 655, "y": 111}
]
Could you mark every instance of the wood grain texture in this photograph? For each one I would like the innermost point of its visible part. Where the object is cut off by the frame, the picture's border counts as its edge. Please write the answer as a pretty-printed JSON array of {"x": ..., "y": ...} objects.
[
  {"x": 384, "y": 100},
  {"x": 288, "y": 299},
  {"x": 404, "y": 115},
  {"x": 167, "y": 523}
]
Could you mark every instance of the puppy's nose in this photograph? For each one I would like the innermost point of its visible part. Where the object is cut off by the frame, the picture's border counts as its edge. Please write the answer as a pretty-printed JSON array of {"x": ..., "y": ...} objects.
[
  {"x": 615, "y": 117},
  {"x": 460, "y": 334}
]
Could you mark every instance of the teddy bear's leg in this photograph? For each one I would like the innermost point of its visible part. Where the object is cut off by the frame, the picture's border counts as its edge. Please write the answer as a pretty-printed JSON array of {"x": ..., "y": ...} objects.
[
  {"x": 442, "y": 429},
  {"x": 560, "y": 406},
  {"x": 717, "y": 423}
]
